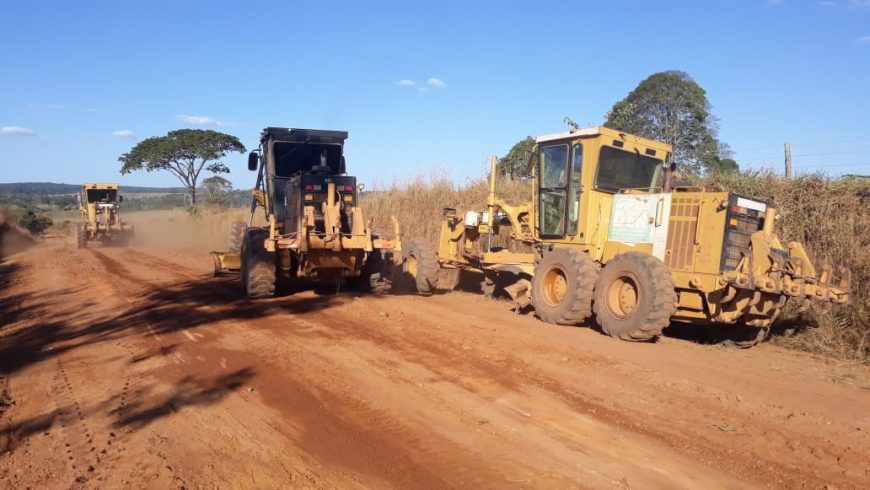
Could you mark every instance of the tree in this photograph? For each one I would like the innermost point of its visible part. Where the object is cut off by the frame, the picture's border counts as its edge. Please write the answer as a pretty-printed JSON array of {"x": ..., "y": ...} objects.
[
  {"x": 217, "y": 191},
  {"x": 185, "y": 153},
  {"x": 724, "y": 166},
  {"x": 514, "y": 163},
  {"x": 671, "y": 107}
]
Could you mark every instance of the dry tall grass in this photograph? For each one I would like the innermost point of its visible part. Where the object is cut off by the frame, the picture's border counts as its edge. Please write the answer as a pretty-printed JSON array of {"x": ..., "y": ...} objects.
[{"x": 418, "y": 202}]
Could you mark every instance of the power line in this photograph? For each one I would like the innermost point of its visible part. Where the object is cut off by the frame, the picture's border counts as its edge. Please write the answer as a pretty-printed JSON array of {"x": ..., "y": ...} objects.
[
  {"x": 816, "y": 143},
  {"x": 833, "y": 165},
  {"x": 825, "y": 154}
]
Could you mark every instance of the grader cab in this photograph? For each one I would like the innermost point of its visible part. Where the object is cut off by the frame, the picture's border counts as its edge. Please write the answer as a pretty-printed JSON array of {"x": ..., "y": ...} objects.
[
  {"x": 608, "y": 237},
  {"x": 315, "y": 226},
  {"x": 100, "y": 208}
]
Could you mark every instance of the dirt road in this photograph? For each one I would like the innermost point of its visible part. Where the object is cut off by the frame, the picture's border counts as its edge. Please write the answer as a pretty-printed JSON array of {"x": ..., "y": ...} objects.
[{"x": 135, "y": 368}]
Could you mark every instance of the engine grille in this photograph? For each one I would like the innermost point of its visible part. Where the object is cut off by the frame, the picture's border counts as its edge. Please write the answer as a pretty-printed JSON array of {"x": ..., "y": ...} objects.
[{"x": 680, "y": 249}]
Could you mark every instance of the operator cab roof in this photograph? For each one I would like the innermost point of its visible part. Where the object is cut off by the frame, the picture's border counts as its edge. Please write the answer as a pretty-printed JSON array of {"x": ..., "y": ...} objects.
[
  {"x": 295, "y": 135},
  {"x": 607, "y": 132}
]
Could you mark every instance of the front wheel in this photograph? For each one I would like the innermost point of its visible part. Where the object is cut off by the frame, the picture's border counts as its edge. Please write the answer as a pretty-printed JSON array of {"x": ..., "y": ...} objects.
[
  {"x": 635, "y": 297},
  {"x": 258, "y": 264},
  {"x": 562, "y": 286}
]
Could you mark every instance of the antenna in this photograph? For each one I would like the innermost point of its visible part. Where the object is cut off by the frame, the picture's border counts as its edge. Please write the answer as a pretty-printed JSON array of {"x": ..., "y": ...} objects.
[{"x": 570, "y": 122}]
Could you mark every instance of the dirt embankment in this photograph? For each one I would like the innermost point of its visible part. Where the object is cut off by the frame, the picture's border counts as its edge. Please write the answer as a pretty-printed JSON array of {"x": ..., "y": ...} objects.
[{"x": 134, "y": 367}]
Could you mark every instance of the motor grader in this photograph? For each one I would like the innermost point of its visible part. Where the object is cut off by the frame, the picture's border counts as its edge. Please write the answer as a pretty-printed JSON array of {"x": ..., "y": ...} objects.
[
  {"x": 100, "y": 208},
  {"x": 315, "y": 227},
  {"x": 608, "y": 236}
]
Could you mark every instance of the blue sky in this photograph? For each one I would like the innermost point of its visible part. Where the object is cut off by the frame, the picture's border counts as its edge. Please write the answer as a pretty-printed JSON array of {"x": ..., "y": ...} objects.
[{"x": 81, "y": 82}]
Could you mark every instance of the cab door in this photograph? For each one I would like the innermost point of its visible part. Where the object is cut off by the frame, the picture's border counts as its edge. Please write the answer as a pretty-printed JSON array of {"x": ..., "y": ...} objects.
[
  {"x": 552, "y": 190},
  {"x": 559, "y": 188},
  {"x": 575, "y": 189}
]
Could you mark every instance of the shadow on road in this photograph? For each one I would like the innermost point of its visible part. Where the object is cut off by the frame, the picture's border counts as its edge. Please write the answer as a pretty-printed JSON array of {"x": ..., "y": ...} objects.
[
  {"x": 187, "y": 392},
  {"x": 143, "y": 408}
]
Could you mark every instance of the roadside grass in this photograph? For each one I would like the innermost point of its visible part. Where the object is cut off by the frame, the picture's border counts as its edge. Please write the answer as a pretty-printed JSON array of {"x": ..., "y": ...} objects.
[
  {"x": 417, "y": 202},
  {"x": 830, "y": 217}
]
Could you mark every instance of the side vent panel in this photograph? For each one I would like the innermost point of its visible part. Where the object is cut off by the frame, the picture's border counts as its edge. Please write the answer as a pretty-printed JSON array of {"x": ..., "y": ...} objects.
[{"x": 680, "y": 249}]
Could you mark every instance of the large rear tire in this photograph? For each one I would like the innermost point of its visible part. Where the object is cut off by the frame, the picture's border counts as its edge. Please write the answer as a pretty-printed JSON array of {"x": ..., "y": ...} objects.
[
  {"x": 258, "y": 264},
  {"x": 635, "y": 297},
  {"x": 420, "y": 263},
  {"x": 562, "y": 286},
  {"x": 235, "y": 236}
]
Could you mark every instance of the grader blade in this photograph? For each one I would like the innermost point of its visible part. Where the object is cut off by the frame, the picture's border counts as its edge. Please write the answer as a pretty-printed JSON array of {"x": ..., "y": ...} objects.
[{"x": 226, "y": 263}]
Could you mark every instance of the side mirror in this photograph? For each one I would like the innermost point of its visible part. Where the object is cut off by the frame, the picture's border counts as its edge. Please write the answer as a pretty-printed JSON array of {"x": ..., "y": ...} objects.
[
  {"x": 253, "y": 161},
  {"x": 342, "y": 167},
  {"x": 120, "y": 198}
]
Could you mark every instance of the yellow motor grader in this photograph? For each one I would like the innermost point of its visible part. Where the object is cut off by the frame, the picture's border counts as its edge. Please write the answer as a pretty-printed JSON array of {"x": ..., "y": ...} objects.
[
  {"x": 608, "y": 236},
  {"x": 100, "y": 208},
  {"x": 316, "y": 228}
]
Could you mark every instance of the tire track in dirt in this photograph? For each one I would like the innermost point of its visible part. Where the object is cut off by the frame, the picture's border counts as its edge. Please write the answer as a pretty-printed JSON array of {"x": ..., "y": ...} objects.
[
  {"x": 78, "y": 440},
  {"x": 375, "y": 426},
  {"x": 670, "y": 432},
  {"x": 175, "y": 269},
  {"x": 308, "y": 406},
  {"x": 492, "y": 390},
  {"x": 143, "y": 346},
  {"x": 347, "y": 432},
  {"x": 511, "y": 374}
]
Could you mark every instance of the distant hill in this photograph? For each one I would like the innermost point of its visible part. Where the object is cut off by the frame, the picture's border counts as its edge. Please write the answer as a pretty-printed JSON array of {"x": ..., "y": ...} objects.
[{"x": 52, "y": 189}]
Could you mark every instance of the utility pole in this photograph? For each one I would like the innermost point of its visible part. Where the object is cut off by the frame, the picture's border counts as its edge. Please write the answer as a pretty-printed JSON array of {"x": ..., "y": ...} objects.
[{"x": 788, "y": 172}]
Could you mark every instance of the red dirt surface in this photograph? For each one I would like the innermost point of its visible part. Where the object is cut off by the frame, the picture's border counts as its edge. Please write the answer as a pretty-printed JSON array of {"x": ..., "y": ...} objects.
[{"x": 133, "y": 367}]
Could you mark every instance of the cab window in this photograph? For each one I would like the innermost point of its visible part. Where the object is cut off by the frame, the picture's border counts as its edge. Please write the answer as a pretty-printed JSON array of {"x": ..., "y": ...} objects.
[
  {"x": 553, "y": 189},
  {"x": 620, "y": 169}
]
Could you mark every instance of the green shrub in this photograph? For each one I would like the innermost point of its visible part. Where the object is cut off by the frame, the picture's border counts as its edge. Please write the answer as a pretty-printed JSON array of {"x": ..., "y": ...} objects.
[{"x": 32, "y": 220}]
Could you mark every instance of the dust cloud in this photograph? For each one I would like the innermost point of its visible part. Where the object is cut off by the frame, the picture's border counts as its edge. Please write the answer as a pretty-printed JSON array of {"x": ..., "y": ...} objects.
[
  {"x": 12, "y": 238},
  {"x": 177, "y": 229}
]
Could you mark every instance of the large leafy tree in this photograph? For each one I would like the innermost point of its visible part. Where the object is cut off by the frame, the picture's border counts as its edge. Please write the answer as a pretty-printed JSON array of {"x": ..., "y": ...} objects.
[
  {"x": 514, "y": 163},
  {"x": 671, "y": 107},
  {"x": 184, "y": 153}
]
